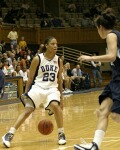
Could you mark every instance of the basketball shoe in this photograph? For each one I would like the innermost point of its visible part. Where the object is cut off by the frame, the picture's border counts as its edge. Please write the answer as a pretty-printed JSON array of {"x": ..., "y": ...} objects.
[
  {"x": 6, "y": 139},
  {"x": 91, "y": 146},
  {"x": 61, "y": 138}
]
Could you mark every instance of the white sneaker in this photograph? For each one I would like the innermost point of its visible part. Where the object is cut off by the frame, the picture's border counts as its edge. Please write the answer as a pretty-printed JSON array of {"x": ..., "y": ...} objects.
[
  {"x": 91, "y": 146},
  {"x": 70, "y": 91},
  {"x": 61, "y": 139},
  {"x": 6, "y": 139}
]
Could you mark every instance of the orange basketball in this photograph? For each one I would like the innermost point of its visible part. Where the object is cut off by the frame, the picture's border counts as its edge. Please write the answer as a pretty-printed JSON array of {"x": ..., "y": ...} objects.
[{"x": 45, "y": 127}]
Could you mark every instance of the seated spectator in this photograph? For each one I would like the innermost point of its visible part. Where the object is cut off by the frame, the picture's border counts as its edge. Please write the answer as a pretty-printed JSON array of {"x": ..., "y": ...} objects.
[
  {"x": 29, "y": 55},
  {"x": 66, "y": 80},
  {"x": 79, "y": 77},
  {"x": 22, "y": 42},
  {"x": 12, "y": 56},
  {"x": 6, "y": 64},
  {"x": 23, "y": 61},
  {"x": 45, "y": 23},
  {"x": 4, "y": 69},
  {"x": 2, "y": 47},
  {"x": 18, "y": 71},
  {"x": 86, "y": 22},
  {"x": 25, "y": 6},
  {"x": 25, "y": 76},
  {"x": 12, "y": 67},
  {"x": 40, "y": 49},
  {"x": 57, "y": 22},
  {"x": 72, "y": 7}
]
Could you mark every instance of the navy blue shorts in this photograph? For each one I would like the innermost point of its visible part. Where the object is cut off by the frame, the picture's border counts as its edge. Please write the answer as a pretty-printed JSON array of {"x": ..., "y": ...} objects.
[{"x": 112, "y": 90}]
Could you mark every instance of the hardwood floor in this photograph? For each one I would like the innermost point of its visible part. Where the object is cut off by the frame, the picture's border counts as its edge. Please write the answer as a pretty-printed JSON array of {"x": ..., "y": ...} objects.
[{"x": 79, "y": 122}]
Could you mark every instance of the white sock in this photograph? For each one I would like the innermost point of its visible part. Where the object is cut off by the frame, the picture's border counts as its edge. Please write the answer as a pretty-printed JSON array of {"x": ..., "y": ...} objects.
[
  {"x": 98, "y": 137},
  {"x": 61, "y": 130},
  {"x": 12, "y": 130}
]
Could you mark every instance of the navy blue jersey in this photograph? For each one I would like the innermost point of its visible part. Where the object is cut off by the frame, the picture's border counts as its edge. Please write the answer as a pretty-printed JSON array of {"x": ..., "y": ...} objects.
[
  {"x": 112, "y": 90},
  {"x": 115, "y": 66}
]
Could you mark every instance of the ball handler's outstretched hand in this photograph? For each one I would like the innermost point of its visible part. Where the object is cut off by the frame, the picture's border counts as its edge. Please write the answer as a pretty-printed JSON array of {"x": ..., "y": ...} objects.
[{"x": 84, "y": 58}]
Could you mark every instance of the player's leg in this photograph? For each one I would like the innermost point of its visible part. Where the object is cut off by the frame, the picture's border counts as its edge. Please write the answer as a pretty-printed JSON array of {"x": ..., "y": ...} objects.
[
  {"x": 29, "y": 108},
  {"x": 102, "y": 125},
  {"x": 58, "y": 113},
  {"x": 53, "y": 103}
]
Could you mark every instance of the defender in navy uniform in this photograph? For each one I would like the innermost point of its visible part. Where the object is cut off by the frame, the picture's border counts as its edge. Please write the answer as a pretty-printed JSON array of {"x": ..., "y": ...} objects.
[
  {"x": 44, "y": 86},
  {"x": 110, "y": 98}
]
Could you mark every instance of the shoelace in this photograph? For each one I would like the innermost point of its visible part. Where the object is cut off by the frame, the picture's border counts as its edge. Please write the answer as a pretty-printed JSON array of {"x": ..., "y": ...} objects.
[
  {"x": 10, "y": 136},
  {"x": 61, "y": 136}
]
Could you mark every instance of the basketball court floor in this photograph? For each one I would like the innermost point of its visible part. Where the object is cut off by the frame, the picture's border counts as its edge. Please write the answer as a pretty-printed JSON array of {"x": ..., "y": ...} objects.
[{"x": 79, "y": 122}]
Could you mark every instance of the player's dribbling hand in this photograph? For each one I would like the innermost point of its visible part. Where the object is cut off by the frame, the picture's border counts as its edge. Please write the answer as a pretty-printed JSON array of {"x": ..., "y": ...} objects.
[{"x": 84, "y": 58}]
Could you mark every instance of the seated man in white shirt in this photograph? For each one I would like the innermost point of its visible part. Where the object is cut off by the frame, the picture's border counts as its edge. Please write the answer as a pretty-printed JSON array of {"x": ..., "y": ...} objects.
[{"x": 79, "y": 77}]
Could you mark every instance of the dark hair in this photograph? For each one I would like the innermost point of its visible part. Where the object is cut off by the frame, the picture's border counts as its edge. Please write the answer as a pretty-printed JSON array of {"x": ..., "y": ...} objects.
[
  {"x": 47, "y": 40},
  {"x": 107, "y": 19},
  {"x": 2, "y": 41}
]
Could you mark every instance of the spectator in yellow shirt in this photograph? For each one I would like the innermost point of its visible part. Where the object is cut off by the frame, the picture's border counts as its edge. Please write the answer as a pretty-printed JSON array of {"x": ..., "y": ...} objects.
[{"x": 22, "y": 43}]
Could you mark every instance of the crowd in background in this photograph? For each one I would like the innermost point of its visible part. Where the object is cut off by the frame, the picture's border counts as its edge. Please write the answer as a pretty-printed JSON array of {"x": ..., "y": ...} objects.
[
  {"x": 16, "y": 60},
  {"x": 75, "y": 13}
]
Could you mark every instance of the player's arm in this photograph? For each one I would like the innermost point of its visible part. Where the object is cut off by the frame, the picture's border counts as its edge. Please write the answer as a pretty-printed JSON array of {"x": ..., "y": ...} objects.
[
  {"x": 60, "y": 81},
  {"x": 111, "y": 53},
  {"x": 32, "y": 71}
]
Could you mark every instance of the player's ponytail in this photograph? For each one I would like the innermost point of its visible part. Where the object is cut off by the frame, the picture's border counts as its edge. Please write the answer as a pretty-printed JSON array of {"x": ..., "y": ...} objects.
[{"x": 107, "y": 19}]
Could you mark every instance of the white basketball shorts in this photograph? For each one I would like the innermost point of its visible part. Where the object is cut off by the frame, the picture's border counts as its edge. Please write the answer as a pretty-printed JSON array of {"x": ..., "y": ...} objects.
[{"x": 43, "y": 96}]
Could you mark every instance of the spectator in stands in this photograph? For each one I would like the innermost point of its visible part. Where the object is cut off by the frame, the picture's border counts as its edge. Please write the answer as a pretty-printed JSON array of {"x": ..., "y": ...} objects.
[
  {"x": 3, "y": 4},
  {"x": 63, "y": 59},
  {"x": 23, "y": 61},
  {"x": 13, "y": 36},
  {"x": 40, "y": 49},
  {"x": 29, "y": 55},
  {"x": 1, "y": 20},
  {"x": 19, "y": 71},
  {"x": 22, "y": 42},
  {"x": 57, "y": 22},
  {"x": 13, "y": 67},
  {"x": 25, "y": 75},
  {"x": 12, "y": 56},
  {"x": 96, "y": 72},
  {"x": 66, "y": 80},
  {"x": 26, "y": 7},
  {"x": 2, "y": 78},
  {"x": 11, "y": 16},
  {"x": 2, "y": 47},
  {"x": 17, "y": 55},
  {"x": 45, "y": 23},
  {"x": 72, "y": 7},
  {"x": 4, "y": 69},
  {"x": 5, "y": 56},
  {"x": 6, "y": 64},
  {"x": 79, "y": 76},
  {"x": 86, "y": 22}
]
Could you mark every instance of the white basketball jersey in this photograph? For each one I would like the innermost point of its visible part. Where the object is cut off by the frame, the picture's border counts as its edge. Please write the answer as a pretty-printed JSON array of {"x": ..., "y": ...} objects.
[{"x": 46, "y": 75}]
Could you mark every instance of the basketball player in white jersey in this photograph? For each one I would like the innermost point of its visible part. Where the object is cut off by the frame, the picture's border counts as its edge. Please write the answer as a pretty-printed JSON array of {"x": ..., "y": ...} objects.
[{"x": 44, "y": 86}]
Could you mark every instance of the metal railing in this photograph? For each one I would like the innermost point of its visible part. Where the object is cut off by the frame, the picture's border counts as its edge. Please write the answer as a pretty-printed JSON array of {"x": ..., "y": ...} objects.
[{"x": 71, "y": 55}]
